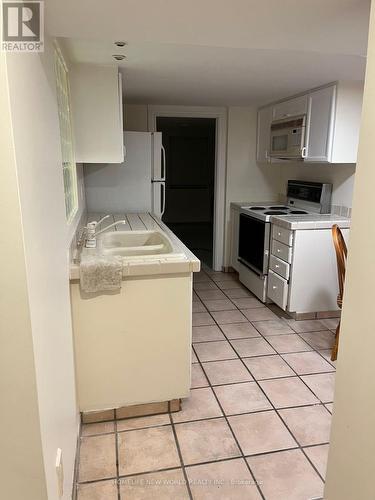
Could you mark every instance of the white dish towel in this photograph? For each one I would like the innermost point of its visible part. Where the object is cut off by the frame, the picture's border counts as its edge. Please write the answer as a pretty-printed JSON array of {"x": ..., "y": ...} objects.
[{"x": 100, "y": 273}]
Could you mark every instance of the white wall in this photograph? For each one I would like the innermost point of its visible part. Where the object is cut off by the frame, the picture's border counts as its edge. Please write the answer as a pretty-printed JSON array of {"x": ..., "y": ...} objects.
[
  {"x": 32, "y": 94},
  {"x": 341, "y": 176},
  {"x": 21, "y": 458},
  {"x": 351, "y": 461},
  {"x": 135, "y": 117}
]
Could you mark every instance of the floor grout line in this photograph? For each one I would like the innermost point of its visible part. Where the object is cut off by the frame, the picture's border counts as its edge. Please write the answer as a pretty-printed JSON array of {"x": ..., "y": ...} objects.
[{"x": 180, "y": 456}]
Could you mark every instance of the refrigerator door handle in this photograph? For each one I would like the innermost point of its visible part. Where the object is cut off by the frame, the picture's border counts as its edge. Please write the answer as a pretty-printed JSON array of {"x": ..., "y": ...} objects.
[
  {"x": 164, "y": 164},
  {"x": 162, "y": 199}
]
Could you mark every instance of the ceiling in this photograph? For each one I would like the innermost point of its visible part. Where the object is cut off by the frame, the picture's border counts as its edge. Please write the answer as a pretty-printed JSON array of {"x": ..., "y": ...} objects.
[{"x": 217, "y": 53}]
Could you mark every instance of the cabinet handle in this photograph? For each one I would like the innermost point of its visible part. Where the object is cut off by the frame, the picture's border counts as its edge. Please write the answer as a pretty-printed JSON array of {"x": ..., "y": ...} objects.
[
  {"x": 304, "y": 152},
  {"x": 277, "y": 266},
  {"x": 278, "y": 250},
  {"x": 274, "y": 287},
  {"x": 278, "y": 234}
]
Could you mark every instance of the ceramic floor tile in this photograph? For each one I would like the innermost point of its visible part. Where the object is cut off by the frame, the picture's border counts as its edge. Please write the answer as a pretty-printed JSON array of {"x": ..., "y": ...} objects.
[
  {"x": 219, "y": 305},
  {"x": 224, "y": 317},
  {"x": 214, "y": 351},
  {"x": 239, "y": 330},
  {"x": 205, "y": 441},
  {"x": 247, "y": 303},
  {"x": 142, "y": 422},
  {"x": 97, "y": 458},
  {"x": 329, "y": 407},
  {"x": 330, "y": 323},
  {"x": 200, "y": 277},
  {"x": 207, "y": 333},
  {"x": 198, "y": 378},
  {"x": 164, "y": 485},
  {"x": 286, "y": 475},
  {"x": 229, "y": 285},
  {"x": 206, "y": 285},
  {"x": 194, "y": 358},
  {"x": 322, "y": 385},
  {"x": 288, "y": 343},
  {"x": 196, "y": 298},
  {"x": 305, "y": 363},
  {"x": 147, "y": 450},
  {"x": 97, "y": 491},
  {"x": 264, "y": 367},
  {"x": 285, "y": 392},
  {"x": 326, "y": 353},
  {"x": 309, "y": 424},
  {"x": 272, "y": 327},
  {"x": 310, "y": 325},
  {"x": 320, "y": 340},
  {"x": 226, "y": 372},
  {"x": 319, "y": 457},
  {"x": 241, "y": 398},
  {"x": 202, "y": 319},
  {"x": 201, "y": 404},
  {"x": 222, "y": 277},
  {"x": 198, "y": 307},
  {"x": 261, "y": 432},
  {"x": 252, "y": 347},
  {"x": 211, "y": 294},
  {"x": 259, "y": 314},
  {"x": 99, "y": 428},
  {"x": 238, "y": 293},
  {"x": 226, "y": 480}
]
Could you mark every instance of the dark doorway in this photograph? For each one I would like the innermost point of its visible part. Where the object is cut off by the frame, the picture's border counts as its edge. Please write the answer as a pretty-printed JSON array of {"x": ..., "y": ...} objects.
[{"x": 190, "y": 181}]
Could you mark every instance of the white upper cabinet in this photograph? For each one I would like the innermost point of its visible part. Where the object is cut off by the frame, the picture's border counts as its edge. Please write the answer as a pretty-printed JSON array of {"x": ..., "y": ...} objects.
[
  {"x": 320, "y": 124},
  {"x": 333, "y": 116},
  {"x": 96, "y": 93},
  {"x": 291, "y": 107},
  {"x": 263, "y": 138}
]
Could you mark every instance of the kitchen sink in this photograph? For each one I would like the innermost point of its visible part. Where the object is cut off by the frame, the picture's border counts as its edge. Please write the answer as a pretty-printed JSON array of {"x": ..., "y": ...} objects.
[{"x": 134, "y": 243}]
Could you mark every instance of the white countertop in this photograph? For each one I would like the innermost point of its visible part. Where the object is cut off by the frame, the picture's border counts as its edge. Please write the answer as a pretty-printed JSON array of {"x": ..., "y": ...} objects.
[
  {"x": 310, "y": 221},
  {"x": 182, "y": 260}
]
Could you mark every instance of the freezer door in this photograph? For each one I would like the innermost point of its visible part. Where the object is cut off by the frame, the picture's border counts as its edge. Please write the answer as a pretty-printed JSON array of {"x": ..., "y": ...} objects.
[
  {"x": 158, "y": 199},
  {"x": 158, "y": 158}
]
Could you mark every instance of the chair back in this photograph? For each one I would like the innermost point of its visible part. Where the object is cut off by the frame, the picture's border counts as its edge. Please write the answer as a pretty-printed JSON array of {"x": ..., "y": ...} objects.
[{"x": 341, "y": 256}]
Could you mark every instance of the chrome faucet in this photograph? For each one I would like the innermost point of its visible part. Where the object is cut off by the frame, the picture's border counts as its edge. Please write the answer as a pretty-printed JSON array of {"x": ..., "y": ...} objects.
[{"x": 92, "y": 233}]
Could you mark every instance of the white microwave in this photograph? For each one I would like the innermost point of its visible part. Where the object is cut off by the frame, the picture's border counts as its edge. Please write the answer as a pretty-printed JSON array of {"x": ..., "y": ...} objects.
[{"x": 288, "y": 138}]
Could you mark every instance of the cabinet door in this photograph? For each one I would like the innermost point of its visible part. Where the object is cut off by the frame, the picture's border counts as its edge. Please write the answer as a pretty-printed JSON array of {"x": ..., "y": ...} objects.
[
  {"x": 96, "y": 93},
  {"x": 292, "y": 107},
  {"x": 235, "y": 229},
  {"x": 319, "y": 129},
  {"x": 263, "y": 134}
]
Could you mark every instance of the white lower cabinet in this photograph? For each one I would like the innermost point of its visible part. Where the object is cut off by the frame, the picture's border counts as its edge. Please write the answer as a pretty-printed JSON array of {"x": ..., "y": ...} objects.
[
  {"x": 302, "y": 276},
  {"x": 277, "y": 289}
]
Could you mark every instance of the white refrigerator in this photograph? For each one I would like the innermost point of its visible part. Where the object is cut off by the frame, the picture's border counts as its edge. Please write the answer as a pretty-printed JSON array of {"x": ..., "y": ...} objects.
[{"x": 136, "y": 185}]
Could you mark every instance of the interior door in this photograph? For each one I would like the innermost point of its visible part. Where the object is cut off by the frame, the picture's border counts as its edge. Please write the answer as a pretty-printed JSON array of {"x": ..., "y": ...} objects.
[{"x": 190, "y": 180}]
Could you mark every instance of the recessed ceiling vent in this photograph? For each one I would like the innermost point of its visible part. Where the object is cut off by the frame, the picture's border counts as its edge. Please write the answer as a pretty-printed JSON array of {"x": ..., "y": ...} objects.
[
  {"x": 120, "y": 44},
  {"x": 119, "y": 57}
]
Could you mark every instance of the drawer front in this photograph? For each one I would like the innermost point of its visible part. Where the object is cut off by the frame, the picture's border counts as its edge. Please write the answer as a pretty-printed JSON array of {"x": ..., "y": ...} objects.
[
  {"x": 282, "y": 234},
  {"x": 279, "y": 267},
  {"x": 277, "y": 290},
  {"x": 281, "y": 251}
]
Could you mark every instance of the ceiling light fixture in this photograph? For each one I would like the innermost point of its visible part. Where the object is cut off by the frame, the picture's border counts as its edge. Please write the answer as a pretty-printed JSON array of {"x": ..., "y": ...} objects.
[
  {"x": 118, "y": 57},
  {"x": 120, "y": 44}
]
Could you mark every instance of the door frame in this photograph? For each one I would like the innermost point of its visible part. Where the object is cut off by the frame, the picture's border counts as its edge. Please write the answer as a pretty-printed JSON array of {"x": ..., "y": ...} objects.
[{"x": 221, "y": 116}]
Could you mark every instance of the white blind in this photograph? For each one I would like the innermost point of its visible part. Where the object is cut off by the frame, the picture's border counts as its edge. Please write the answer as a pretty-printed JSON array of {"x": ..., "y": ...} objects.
[{"x": 66, "y": 134}]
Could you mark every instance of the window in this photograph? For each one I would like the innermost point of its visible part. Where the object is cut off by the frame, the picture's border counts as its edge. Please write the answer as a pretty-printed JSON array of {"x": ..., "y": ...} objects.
[{"x": 66, "y": 134}]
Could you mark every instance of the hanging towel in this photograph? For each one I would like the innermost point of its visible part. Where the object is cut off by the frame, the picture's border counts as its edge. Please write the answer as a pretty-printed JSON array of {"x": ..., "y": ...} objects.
[{"x": 100, "y": 273}]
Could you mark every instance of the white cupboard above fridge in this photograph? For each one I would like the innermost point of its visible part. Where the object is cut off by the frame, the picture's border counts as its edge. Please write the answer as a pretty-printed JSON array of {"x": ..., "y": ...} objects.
[
  {"x": 96, "y": 95},
  {"x": 332, "y": 117}
]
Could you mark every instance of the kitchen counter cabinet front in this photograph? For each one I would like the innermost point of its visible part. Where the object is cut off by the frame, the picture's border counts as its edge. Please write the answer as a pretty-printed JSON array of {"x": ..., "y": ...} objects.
[{"x": 133, "y": 346}]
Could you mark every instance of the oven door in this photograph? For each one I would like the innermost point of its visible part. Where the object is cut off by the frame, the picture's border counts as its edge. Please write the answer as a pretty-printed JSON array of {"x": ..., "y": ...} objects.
[{"x": 254, "y": 241}]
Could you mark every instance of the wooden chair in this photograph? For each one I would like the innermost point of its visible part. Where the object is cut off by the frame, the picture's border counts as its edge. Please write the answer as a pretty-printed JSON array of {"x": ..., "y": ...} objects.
[{"x": 341, "y": 255}]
